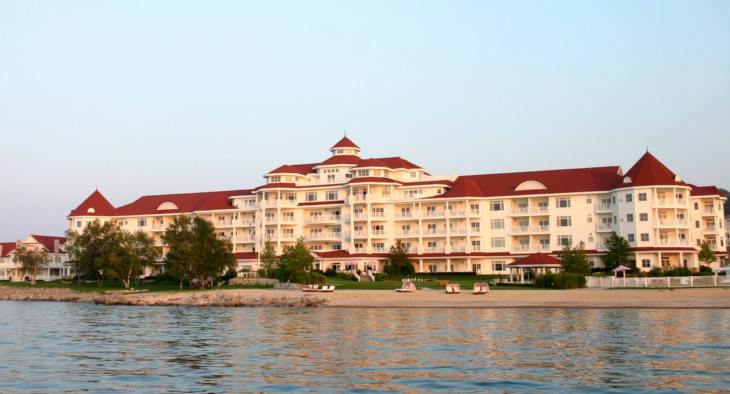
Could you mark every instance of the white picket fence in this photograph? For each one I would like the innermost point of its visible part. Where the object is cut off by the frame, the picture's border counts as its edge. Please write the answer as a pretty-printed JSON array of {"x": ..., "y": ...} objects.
[{"x": 663, "y": 282}]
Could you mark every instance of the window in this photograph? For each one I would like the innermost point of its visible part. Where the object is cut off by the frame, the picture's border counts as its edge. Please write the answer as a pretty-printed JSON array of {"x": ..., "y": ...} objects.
[
  {"x": 613, "y": 199},
  {"x": 643, "y": 217},
  {"x": 141, "y": 222},
  {"x": 475, "y": 227},
  {"x": 496, "y": 224},
  {"x": 476, "y": 246},
  {"x": 348, "y": 175},
  {"x": 498, "y": 265},
  {"x": 564, "y": 221},
  {"x": 432, "y": 268},
  {"x": 589, "y": 200},
  {"x": 629, "y": 197},
  {"x": 646, "y": 263},
  {"x": 331, "y": 178},
  {"x": 274, "y": 179},
  {"x": 631, "y": 238},
  {"x": 475, "y": 209},
  {"x": 697, "y": 224},
  {"x": 311, "y": 196},
  {"x": 496, "y": 205},
  {"x": 562, "y": 202},
  {"x": 476, "y": 268},
  {"x": 642, "y": 196},
  {"x": 432, "y": 244},
  {"x": 699, "y": 242},
  {"x": 565, "y": 240},
  {"x": 498, "y": 242},
  {"x": 331, "y": 195},
  {"x": 645, "y": 237},
  {"x": 590, "y": 219},
  {"x": 78, "y": 223},
  {"x": 363, "y": 173},
  {"x": 697, "y": 206},
  {"x": 629, "y": 217},
  {"x": 379, "y": 247}
]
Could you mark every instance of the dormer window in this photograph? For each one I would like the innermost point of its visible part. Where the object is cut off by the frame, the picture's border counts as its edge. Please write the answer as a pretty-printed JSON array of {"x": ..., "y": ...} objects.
[
  {"x": 363, "y": 173},
  {"x": 339, "y": 152},
  {"x": 274, "y": 179},
  {"x": 377, "y": 172}
]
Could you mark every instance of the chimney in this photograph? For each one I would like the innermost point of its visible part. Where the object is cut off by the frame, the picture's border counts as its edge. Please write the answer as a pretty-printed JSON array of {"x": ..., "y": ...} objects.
[{"x": 56, "y": 246}]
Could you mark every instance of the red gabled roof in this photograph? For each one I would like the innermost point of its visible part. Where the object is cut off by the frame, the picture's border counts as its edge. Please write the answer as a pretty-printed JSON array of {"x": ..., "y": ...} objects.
[
  {"x": 555, "y": 181},
  {"x": 374, "y": 179},
  {"x": 537, "y": 260},
  {"x": 705, "y": 191},
  {"x": 649, "y": 171},
  {"x": 345, "y": 143},
  {"x": 341, "y": 160},
  {"x": 280, "y": 185},
  {"x": 188, "y": 202},
  {"x": 464, "y": 187},
  {"x": 48, "y": 242},
  {"x": 300, "y": 169},
  {"x": 388, "y": 162},
  {"x": 98, "y": 202},
  {"x": 7, "y": 248}
]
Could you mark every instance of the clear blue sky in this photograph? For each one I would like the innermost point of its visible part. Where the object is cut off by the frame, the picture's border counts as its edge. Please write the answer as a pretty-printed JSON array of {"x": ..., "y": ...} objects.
[{"x": 140, "y": 97}]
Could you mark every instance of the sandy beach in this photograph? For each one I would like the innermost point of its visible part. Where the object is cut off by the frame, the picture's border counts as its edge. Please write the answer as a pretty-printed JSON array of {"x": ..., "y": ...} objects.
[{"x": 579, "y": 298}]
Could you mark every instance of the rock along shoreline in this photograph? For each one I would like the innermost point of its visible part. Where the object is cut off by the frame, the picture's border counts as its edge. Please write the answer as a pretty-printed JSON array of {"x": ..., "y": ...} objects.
[{"x": 219, "y": 298}]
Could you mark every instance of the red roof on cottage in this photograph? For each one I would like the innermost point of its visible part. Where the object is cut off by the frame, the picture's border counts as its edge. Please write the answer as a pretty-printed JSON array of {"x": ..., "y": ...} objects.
[
  {"x": 649, "y": 171},
  {"x": 537, "y": 260},
  {"x": 6, "y": 248},
  {"x": 345, "y": 143},
  {"x": 188, "y": 202},
  {"x": 49, "y": 242},
  {"x": 705, "y": 191},
  {"x": 555, "y": 181},
  {"x": 98, "y": 202}
]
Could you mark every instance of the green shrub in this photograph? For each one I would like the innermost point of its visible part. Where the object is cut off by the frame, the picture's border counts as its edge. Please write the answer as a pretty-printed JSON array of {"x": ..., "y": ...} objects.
[
  {"x": 230, "y": 274},
  {"x": 656, "y": 272},
  {"x": 330, "y": 272},
  {"x": 561, "y": 281},
  {"x": 166, "y": 277},
  {"x": 308, "y": 278},
  {"x": 379, "y": 277},
  {"x": 705, "y": 269},
  {"x": 346, "y": 276}
]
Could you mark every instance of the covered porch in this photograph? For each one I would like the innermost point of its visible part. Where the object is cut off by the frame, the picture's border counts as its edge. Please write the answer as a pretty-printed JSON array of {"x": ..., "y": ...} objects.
[{"x": 538, "y": 263}]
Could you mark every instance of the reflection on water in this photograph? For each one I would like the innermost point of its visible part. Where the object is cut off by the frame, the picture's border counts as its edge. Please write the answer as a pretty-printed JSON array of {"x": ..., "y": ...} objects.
[{"x": 60, "y": 347}]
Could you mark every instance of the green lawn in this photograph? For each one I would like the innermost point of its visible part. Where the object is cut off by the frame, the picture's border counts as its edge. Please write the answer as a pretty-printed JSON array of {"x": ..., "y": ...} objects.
[{"x": 93, "y": 287}]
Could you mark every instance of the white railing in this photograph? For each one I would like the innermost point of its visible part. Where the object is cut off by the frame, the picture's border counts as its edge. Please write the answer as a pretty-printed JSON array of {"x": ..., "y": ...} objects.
[
  {"x": 604, "y": 226},
  {"x": 541, "y": 229},
  {"x": 360, "y": 234},
  {"x": 360, "y": 216},
  {"x": 710, "y": 228},
  {"x": 541, "y": 210},
  {"x": 288, "y": 219},
  {"x": 379, "y": 215},
  {"x": 658, "y": 282},
  {"x": 521, "y": 229},
  {"x": 158, "y": 226},
  {"x": 379, "y": 249},
  {"x": 521, "y": 211},
  {"x": 322, "y": 218},
  {"x": 474, "y": 212},
  {"x": 457, "y": 213},
  {"x": 323, "y": 235},
  {"x": 406, "y": 215},
  {"x": 221, "y": 223},
  {"x": 407, "y": 233},
  {"x": 664, "y": 201},
  {"x": 458, "y": 249},
  {"x": 457, "y": 231},
  {"x": 433, "y": 249},
  {"x": 476, "y": 248},
  {"x": 359, "y": 250},
  {"x": 541, "y": 248},
  {"x": 434, "y": 214},
  {"x": 249, "y": 204},
  {"x": 378, "y": 233},
  {"x": 521, "y": 248},
  {"x": 434, "y": 232},
  {"x": 241, "y": 238},
  {"x": 603, "y": 207},
  {"x": 707, "y": 211}
]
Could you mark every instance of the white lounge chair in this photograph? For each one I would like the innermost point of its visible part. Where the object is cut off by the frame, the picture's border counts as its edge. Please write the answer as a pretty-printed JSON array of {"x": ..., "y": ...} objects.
[
  {"x": 453, "y": 288},
  {"x": 481, "y": 288},
  {"x": 310, "y": 288},
  {"x": 327, "y": 289},
  {"x": 408, "y": 287}
]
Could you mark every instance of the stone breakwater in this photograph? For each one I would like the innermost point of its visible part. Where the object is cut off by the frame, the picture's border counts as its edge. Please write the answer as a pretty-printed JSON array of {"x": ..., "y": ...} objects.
[{"x": 219, "y": 298}]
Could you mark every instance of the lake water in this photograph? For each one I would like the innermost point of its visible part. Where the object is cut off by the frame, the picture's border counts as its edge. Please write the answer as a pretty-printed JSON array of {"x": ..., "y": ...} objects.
[{"x": 69, "y": 348}]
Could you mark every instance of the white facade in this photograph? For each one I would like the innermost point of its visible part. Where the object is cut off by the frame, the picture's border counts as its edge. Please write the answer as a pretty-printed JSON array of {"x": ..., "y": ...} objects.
[
  {"x": 53, "y": 246},
  {"x": 351, "y": 211}
]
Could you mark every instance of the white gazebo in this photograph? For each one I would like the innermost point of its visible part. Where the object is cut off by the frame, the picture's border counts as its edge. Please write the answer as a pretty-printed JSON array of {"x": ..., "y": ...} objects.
[{"x": 538, "y": 262}]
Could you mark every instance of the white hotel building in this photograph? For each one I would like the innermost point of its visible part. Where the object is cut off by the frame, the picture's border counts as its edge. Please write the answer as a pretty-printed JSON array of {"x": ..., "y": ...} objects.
[
  {"x": 352, "y": 210},
  {"x": 53, "y": 246}
]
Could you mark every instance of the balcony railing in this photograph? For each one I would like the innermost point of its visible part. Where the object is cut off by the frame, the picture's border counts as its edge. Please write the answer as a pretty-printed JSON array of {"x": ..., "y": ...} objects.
[
  {"x": 458, "y": 249},
  {"x": 604, "y": 227},
  {"x": 521, "y": 248},
  {"x": 379, "y": 249},
  {"x": 456, "y": 213},
  {"x": 378, "y": 215},
  {"x": 223, "y": 223},
  {"x": 288, "y": 219},
  {"x": 708, "y": 211},
  {"x": 360, "y": 216},
  {"x": 474, "y": 212},
  {"x": 360, "y": 234},
  {"x": 404, "y": 215},
  {"x": 434, "y": 214},
  {"x": 322, "y": 219},
  {"x": 407, "y": 233},
  {"x": 323, "y": 235},
  {"x": 433, "y": 232},
  {"x": 158, "y": 226},
  {"x": 359, "y": 250},
  {"x": 710, "y": 228},
  {"x": 520, "y": 229},
  {"x": 521, "y": 211},
  {"x": 433, "y": 249},
  {"x": 603, "y": 208},
  {"x": 245, "y": 238},
  {"x": 379, "y": 233},
  {"x": 541, "y": 247},
  {"x": 457, "y": 231}
]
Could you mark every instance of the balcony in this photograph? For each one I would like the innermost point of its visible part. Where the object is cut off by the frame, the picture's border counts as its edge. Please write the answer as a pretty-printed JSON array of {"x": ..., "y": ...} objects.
[
  {"x": 378, "y": 216},
  {"x": 474, "y": 212},
  {"x": 360, "y": 250},
  {"x": 457, "y": 231},
  {"x": 458, "y": 249},
  {"x": 288, "y": 237},
  {"x": 316, "y": 219},
  {"x": 379, "y": 249},
  {"x": 248, "y": 204},
  {"x": 521, "y": 211},
  {"x": 434, "y": 233},
  {"x": 222, "y": 223},
  {"x": 520, "y": 230},
  {"x": 322, "y": 236},
  {"x": 359, "y": 234},
  {"x": 710, "y": 228},
  {"x": 360, "y": 216},
  {"x": 288, "y": 219},
  {"x": 158, "y": 226},
  {"x": 673, "y": 242},
  {"x": 522, "y": 248},
  {"x": 527, "y": 211},
  {"x": 245, "y": 239},
  {"x": 530, "y": 229},
  {"x": 407, "y": 233},
  {"x": 434, "y": 214},
  {"x": 433, "y": 249},
  {"x": 604, "y": 227},
  {"x": 541, "y": 248},
  {"x": 379, "y": 234},
  {"x": 708, "y": 211},
  {"x": 456, "y": 213},
  {"x": 404, "y": 216},
  {"x": 603, "y": 208},
  {"x": 663, "y": 223}
]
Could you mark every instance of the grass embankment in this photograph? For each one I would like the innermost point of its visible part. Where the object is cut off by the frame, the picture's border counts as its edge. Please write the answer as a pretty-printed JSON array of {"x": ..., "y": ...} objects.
[
  {"x": 466, "y": 283},
  {"x": 94, "y": 287}
]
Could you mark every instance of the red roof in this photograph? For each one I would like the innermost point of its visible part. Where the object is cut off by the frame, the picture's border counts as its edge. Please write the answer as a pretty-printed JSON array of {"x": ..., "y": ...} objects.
[
  {"x": 300, "y": 169},
  {"x": 373, "y": 179},
  {"x": 649, "y": 171},
  {"x": 280, "y": 185},
  {"x": 48, "y": 242},
  {"x": 706, "y": 191},
  {"x": 537, "y": 260},
  {"x": 388, "y": 162},
  {"x": 345, "y": 143},
  {"x": 245, "y": 255},
  {"x": 309, "y": 203},
  {"x": 188, "y": 202},
  {"x": 341, "y": 160},
  {"x": 555, "y": 181},
  {"x": 98, "y": 202},
  {"x": 7, "y": 248},
  {"x": 464, "y": 187}
]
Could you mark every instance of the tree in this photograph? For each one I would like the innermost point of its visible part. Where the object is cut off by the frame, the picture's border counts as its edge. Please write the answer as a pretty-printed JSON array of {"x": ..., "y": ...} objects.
[
  {"x": 30, "y": 262},
  {"x": 195, "y": 252},
  {"x": 398, "y": 261},
  {"x": 617, "y": 252},
  {"x": 706, "y": 255},
  {"x": 575, "y": 260},
  {"x": 727, "y": 202},
  {"x": 131, "y": 253},
  {"x": 268, "y": 258},
  {"x": 295, "y": 258},
  {"x": 93, "y": 249}
]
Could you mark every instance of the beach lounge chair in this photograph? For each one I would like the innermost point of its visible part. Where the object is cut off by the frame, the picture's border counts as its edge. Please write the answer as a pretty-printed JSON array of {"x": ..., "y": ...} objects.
[
  {"x": 453, "y": 288},
  {"x": 481, "y": 288},
  {"x": 408, "y": 287},
  {"x": 327, "y": 289},
  {"x": 310, "y": 288}
]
